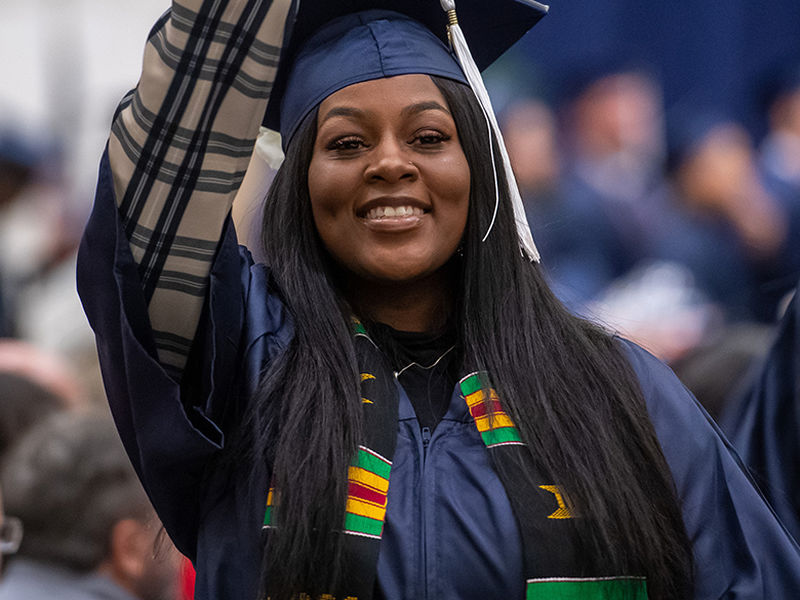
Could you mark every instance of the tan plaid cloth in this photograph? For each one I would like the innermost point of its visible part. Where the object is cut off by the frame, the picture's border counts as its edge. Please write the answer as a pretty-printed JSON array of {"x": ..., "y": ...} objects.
[{"x": 180, "y": 144}]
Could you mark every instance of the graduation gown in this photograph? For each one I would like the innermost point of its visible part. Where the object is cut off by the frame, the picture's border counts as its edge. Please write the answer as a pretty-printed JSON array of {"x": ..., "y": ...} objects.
[
  {"x": 450, "y": 532},
  {"x": 764, "y": 422}
]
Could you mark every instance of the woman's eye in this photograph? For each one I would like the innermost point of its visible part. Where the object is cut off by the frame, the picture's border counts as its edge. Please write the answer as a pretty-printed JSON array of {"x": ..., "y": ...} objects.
[
  {"x": 346, "y": 143},
  {"x": 430, "y": 138}
]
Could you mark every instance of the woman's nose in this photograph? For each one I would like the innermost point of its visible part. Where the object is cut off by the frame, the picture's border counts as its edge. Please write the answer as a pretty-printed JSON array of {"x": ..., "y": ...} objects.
[{"x": 390, "y": 162}]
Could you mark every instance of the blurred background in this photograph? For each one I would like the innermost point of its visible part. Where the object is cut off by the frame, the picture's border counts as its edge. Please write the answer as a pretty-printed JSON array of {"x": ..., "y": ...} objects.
[{"x": 657, "y": 146}]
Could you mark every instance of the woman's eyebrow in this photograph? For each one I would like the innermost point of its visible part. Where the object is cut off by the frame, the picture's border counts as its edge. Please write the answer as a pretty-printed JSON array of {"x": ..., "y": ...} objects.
[
  {"x": 419, "y": 107},
  {"x": 344, "y": 111},
  {"x": 358, "y": 113}
]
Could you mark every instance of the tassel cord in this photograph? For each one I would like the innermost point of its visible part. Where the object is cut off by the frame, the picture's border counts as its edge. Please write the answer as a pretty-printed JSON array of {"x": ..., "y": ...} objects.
[{"x": 461, "y": 48}]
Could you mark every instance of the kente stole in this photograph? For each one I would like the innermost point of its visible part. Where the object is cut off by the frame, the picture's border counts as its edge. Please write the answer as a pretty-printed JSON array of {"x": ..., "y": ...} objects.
[{"x": 551, "y": 553}]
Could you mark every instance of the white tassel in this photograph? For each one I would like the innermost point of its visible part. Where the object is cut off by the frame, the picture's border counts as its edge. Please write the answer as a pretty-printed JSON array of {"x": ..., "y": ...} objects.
[
  {"x": 268, "y": 147},
  {"x": 459, "y": 43}
]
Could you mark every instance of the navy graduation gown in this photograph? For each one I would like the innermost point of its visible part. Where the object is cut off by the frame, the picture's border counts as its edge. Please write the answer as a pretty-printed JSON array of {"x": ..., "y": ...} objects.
[
  {"x": 213, "y": 512},
  {"x": 764, "y": 422}
]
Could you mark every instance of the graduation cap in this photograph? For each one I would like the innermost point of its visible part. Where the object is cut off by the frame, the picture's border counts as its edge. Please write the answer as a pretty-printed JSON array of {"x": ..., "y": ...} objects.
[
  {"x": 341, "y": 42},
  {"x": 336, "y": 43}
]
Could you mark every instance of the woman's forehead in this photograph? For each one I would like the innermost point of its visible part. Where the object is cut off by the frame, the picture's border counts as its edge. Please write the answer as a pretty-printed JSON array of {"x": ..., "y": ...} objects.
[{"x": 407, "y": 94}]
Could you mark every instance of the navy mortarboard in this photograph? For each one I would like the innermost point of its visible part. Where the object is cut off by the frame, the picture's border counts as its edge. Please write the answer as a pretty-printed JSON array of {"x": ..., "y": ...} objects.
[{"x": 329, "y": 41}]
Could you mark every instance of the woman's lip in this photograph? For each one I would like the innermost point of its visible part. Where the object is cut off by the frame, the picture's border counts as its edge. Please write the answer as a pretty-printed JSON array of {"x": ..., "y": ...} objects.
[{"x": 393, "y": 224}]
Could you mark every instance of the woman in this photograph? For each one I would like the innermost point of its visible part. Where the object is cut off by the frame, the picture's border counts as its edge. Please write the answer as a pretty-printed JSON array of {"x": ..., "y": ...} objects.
[{"x": 395, "y": 395}]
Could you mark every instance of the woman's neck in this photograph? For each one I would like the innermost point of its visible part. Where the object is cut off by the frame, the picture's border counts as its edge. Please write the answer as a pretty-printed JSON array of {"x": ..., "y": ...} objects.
[{"x": 420, "y": 305}]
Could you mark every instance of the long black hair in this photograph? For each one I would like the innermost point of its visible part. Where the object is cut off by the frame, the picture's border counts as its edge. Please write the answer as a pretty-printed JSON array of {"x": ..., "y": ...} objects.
[{"x": 564, "y": 381}]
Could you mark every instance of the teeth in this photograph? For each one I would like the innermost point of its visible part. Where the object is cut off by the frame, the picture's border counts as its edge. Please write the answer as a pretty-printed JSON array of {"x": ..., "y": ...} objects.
[{"x": 381, "y": 212}]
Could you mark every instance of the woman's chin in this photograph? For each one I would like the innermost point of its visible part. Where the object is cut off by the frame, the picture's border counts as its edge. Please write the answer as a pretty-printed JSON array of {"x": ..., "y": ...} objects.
[{"x": 397, "y": 272}]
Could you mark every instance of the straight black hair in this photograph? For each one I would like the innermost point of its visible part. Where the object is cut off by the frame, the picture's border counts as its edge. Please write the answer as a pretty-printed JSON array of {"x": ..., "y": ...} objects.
[{"x": 564, "y": 381}]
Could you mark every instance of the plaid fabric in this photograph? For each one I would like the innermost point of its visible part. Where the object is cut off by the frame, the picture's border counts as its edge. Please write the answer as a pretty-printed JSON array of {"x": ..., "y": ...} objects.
[{"x": 180, "y": 145}]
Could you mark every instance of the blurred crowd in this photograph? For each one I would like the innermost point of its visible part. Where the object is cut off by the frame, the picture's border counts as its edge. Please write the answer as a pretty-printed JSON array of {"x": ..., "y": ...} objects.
[
  {"x": 75, "y": 522},
  {"x": 673, "y": 226},
  {"x": 676, "y": 226}
]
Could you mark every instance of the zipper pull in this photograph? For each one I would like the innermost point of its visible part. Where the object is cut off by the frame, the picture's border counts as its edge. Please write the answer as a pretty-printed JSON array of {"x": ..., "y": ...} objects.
[{"x": 426, "y": 436}]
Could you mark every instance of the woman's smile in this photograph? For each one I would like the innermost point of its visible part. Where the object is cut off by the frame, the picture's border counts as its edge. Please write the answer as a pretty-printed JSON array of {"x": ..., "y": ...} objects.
[
  {"x": 388, "y": 179},
  {"x": 393, "y": 213}
]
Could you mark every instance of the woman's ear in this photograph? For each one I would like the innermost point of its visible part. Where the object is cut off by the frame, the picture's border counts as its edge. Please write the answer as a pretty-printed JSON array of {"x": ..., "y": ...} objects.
[{"x": 130, "y": 547}]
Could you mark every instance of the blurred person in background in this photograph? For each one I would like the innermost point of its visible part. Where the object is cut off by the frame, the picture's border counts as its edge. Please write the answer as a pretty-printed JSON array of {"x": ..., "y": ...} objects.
[
  {"x": 38, "y": 301},
  {"x": 90, "y": 532},
  {"x": 49, "y": 370},
  {"x": 531, "y": 136},
  {"x": 23, "y": 403},
  {"x": 33, "y": 385},
  {"x": 597, "y": 199},
  {"x": 17, "y": 163},
  {"x": 740, "y": 241},
  {"x": 779, "y": 151},
  {"x": 611, "y": 113},
  {"x": 37, "y": 247},
  {"x": 531, "y": 133}
]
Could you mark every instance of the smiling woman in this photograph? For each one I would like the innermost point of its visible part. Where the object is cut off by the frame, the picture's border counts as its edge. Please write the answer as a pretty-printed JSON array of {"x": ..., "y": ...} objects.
[{"x": 394, "y": 404}]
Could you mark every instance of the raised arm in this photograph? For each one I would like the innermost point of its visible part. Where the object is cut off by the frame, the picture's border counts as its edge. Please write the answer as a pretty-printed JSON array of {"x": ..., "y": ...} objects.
[
  {"x": 159, "y": 241},
  {"x": 179, "y": 147}
]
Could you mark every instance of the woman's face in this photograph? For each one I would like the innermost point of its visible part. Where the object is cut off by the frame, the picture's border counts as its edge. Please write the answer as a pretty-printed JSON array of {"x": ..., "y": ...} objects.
[{"x": 388, "y": 180}]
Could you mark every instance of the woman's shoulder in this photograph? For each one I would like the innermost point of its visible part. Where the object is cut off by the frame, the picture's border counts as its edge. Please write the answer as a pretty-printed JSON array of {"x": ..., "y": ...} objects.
[
  {"x": 683, "y": 427},
  {"x": 662, "y": 390}
]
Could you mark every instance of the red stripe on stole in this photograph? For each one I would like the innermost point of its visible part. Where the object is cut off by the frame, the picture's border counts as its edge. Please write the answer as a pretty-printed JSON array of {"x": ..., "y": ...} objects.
[
  {"x": 479, "y": 410},
  {"x": 368, "y": 494}
]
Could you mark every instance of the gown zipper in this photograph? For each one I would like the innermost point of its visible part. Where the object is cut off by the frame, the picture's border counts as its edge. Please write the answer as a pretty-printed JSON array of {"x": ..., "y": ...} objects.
[
  {"x": 426, "y": 439},
  {"x": 427, "y": 487}
]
